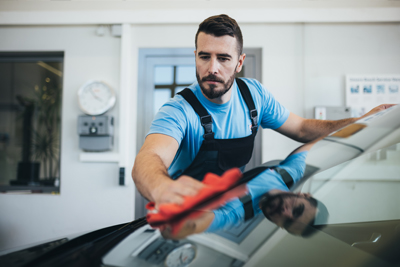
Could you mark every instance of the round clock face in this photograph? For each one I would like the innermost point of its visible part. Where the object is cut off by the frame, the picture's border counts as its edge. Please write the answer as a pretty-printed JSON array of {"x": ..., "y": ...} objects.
[
  {"x": 181, "y": 256},
  {"x": 96, "y": 97}
]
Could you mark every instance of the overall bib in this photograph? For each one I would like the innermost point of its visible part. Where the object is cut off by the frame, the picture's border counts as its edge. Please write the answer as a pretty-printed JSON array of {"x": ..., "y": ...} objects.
[{"x": 218, "y": 155}]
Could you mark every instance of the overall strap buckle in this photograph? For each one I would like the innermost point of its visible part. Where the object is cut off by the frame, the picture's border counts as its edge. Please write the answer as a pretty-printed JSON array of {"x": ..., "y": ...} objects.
[
  {"x": 245, "y": 91},
  {"x": 206, "y": 122},
  {"x": 254, "y": 119}
]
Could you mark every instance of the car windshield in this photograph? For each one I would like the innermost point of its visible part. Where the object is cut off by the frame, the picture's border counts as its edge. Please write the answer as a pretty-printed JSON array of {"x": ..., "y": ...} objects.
[{"x": 342, "y": 210}]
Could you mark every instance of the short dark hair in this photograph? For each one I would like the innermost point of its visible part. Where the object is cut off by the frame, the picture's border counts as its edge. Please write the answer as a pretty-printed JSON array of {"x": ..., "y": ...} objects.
[
  {"x": 319, "y": 220},
  {"x": 221, "y": 25}
]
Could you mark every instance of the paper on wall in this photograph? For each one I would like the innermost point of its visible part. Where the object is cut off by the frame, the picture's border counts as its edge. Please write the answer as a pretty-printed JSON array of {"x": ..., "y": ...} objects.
[{"x": 364, "y": 92}]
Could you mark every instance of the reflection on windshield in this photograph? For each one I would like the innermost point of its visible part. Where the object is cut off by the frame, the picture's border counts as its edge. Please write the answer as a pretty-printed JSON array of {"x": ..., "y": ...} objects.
[
  {"x": 262, "y": 190},
  {"x": 266, "y": 191}
]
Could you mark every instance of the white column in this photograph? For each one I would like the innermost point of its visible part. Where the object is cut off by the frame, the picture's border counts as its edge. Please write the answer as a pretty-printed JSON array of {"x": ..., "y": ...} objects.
[{"x": 127, "y": 108}]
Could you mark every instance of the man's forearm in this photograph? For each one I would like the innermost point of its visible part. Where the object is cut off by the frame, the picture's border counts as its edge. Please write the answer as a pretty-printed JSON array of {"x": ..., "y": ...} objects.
[
  {"x": 149, "y": 173},
  {"x": 306, "y": 130},
  {"x": 152, "y": 180},
  {"x": 313, "y": 128}
]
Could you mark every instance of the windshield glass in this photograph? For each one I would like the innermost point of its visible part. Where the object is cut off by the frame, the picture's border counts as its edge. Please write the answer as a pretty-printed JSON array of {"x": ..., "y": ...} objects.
[{"x": 342, "y": 206}]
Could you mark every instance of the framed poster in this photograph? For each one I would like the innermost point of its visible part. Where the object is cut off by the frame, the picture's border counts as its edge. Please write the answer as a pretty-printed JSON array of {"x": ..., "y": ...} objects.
[{"x": 364, "y": 92}]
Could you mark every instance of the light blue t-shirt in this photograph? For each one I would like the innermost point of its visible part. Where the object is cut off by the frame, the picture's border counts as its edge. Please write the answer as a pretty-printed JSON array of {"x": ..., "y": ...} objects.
[
  {"x": 177, "y": 119},
  {"x": 232, "y": 213}
]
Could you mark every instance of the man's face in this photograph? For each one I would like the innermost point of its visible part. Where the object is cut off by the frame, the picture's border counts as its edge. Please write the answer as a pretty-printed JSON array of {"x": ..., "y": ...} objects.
[
  {"x": 217, "y": 62},
  {"x": 290, "y": 211}
]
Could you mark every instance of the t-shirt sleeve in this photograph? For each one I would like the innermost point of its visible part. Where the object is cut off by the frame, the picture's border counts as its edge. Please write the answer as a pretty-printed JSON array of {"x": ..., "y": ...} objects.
[
  {"x": 272, "y": 113},
  {"x": 295, "y": 165},
  {"x": 229, "y": 216},
  {"x": 170, "y": 120}
]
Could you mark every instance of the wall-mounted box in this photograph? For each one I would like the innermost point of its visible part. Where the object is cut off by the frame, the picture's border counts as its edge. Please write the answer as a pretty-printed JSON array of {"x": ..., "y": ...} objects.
[
  {"x": 331, "y": 113},
  {"x": 96, "y": 133}
]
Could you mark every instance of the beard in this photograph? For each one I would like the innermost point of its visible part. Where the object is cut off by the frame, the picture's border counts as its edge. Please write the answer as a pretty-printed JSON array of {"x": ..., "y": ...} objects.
[{"x": 212, "y": 92}]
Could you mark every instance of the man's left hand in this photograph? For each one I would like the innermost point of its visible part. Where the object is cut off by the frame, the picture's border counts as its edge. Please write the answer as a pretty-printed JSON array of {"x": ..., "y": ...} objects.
[{"x": 377, "y": 109}]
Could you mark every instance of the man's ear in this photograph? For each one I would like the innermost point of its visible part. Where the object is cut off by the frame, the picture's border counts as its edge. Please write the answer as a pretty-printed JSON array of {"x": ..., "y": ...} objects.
[
  {"x": 240, "y": 63},
  {"x": 306, "y": 195}
]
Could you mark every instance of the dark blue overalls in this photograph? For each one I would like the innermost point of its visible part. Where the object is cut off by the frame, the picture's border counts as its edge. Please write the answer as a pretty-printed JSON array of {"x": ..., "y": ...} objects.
[{"x": 219, "y": 155}]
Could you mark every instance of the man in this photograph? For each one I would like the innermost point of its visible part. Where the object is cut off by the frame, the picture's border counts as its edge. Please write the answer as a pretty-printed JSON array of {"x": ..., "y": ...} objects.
[{"x": 210, "y": 127}]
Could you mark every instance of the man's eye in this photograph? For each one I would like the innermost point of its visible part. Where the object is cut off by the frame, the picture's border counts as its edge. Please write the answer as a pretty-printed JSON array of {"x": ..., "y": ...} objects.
[
  {"x": 298, "y": 211},
  {"x": 223, "y": 59},
  {"x": 204, "y": 57}
]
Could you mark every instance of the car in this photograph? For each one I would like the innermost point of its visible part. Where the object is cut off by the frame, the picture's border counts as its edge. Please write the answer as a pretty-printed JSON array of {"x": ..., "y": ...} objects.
[{"x": 354, "y": 173}]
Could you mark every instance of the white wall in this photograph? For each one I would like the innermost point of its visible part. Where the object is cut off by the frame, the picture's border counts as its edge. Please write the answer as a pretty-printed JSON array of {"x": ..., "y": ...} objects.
[
  {"x": 304, "y": 65},
  {"x": 335, "y": 50},
  {"x": 90, "y": 196}
]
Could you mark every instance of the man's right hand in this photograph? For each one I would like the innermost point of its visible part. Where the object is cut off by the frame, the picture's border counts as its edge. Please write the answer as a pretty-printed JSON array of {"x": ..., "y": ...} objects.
[{"x": 174, "y": 191}]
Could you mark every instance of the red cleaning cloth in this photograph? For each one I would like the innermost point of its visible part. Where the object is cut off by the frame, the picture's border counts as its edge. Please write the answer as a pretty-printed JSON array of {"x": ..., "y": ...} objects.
[
  {"x": 180, "y": 221},
  {"x": 213, "y": 185}
]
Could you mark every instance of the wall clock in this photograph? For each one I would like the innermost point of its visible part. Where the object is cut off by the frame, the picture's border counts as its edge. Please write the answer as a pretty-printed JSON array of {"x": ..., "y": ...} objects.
[{"x": 96, "y": 97}]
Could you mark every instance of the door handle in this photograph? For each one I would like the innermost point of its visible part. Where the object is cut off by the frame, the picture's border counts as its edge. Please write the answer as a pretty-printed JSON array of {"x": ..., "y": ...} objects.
[{"x": 374, "y": 238}]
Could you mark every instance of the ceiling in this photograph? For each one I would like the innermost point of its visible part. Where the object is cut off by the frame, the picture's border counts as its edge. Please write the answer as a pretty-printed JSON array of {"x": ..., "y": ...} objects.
[{"x": 82, "y": 5}]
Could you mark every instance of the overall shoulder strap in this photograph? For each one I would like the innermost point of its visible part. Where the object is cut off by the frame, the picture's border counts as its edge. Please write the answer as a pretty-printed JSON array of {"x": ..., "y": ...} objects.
[
  {"x": 205, "y": 117},
  {"x": 244, "y": 90},
  {"x": 247, "y": 201},
  {"x": 286, "y": 177}
]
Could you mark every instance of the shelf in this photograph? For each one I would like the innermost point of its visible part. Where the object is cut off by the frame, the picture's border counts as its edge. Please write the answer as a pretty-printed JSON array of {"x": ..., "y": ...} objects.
[
  {"x": 99, "y": 157},
  {"x": 29, "y": 189}
]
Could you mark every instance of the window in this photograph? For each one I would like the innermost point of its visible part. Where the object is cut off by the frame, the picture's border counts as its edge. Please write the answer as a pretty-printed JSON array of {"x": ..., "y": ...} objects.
[
  {"x": 170, "y": 80},
  {"x": 30, "y": 121}
]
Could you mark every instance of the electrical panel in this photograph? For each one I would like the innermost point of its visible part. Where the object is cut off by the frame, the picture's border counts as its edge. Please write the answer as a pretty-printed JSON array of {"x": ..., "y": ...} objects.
[{"x": 96, "y": 133}]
